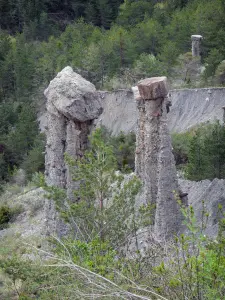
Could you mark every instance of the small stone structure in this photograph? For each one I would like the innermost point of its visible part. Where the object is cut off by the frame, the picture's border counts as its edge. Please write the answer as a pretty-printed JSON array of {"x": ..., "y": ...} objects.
[
  {"x": 154, "y": 161},
  {"x": 72, "y": 105},
  {"x": 196, "y": 41}
]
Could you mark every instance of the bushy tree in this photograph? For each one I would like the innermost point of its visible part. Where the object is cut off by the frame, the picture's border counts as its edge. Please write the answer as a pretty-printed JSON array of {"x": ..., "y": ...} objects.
[
  {"x": 148, "y": 66},
  {"x": 212, "y": 61}
]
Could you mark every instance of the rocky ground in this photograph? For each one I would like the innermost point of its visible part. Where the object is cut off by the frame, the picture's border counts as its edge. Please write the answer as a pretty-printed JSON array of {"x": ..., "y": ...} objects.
[{"x": 34, "y": 219}]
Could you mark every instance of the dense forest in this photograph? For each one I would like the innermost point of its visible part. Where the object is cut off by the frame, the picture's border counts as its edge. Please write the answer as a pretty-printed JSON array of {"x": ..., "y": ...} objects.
[{"x": 111, "y": 43}]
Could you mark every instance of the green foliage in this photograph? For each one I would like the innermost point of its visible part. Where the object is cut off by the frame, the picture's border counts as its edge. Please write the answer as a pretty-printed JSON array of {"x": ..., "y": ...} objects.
[
  {"x": 220, "y": 73},
  {"x": 29, "y": 280},
  {"x": 190, "y": 268},
  {"x": 196, "y": 270},
  {"x": 200, "y": 151},
  {"x": 24, "y": 69},
  {"x": 104, "y": 205},
  {"x": 133, "y": 12},
  {"x": 187, "y": 67},
  {"x": 147, "y": 212},
  {"x": 212, "y": 62},
  {"x": 137, "y": 39},
  {"x": 7, "y": 214},
  {"x": 123, "y": 149},
  {"x": 21, "y": 138},
  {"x": 34, "y": 161},
  {"x": 95, "y": 170},
  {"x": 181, "y": 146},
  {"x": 145, "y": 40},
  {"x": 206, "y": 154},
  {"x": 96, "y": 255},
  {"x": 148, "y": 66}
]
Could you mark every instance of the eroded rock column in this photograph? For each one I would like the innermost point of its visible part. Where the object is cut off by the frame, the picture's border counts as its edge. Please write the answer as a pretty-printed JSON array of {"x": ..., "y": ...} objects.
[
  {"x": 154, "y": 158},
  {"x": 72, "y": 105},
  {"x": 196, "y": 42}
]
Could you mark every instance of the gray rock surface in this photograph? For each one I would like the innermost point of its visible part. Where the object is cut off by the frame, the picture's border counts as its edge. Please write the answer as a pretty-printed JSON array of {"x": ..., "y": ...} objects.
[
  {"x": 190, "y": 107},
  {"x": 71, "y": 95},
  {"x": 119, "y": 111},
  {"x": 72, "y": 104},
  {"x": 213, "y": 194},
  {"x": 36, "y": 220},
  {"x": 154, "y": 161}
]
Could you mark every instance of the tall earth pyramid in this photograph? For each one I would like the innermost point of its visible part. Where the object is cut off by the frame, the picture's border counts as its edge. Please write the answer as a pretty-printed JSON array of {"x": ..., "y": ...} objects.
[{"x": 154, "y": 160}]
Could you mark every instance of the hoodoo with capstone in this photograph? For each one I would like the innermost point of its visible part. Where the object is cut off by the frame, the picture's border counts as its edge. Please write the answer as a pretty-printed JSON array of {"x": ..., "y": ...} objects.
[
  {"x": 154, "y": 161},
  {"x": 72, "y": 105},
  {"x": 196, "y": 42}
]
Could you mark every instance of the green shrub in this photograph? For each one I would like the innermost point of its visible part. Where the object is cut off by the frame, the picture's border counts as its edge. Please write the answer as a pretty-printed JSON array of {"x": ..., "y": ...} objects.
[
  {"x": 7, "y": 214},
  {"x": 206, "y": 155},
  {"x": 181, "y": 144},
  {"x": 220, "y": 73},
  {"x": 201, "y": 151},
  {"x": 196, "y": 267}
]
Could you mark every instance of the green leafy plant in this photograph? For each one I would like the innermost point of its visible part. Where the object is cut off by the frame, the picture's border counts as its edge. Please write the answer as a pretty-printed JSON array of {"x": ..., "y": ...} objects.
[{"x": 196, "y": 269}]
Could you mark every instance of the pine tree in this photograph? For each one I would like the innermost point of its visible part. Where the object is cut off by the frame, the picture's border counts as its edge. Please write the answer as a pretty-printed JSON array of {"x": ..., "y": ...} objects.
[
  {"x": 101, "y": 196},
  {"x": 197, "y": 158}
]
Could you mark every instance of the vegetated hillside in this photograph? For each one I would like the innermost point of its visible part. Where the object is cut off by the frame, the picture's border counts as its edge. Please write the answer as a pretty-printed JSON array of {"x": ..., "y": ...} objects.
[{"x": 111, "y": 43}]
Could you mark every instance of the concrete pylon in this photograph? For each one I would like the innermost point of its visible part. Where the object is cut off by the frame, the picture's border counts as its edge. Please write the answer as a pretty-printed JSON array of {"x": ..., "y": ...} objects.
[{"x": 154, "y": 160}]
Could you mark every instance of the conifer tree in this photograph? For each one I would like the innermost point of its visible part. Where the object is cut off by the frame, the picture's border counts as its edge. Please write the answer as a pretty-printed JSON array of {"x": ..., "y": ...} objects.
[
  {"x": 197, "y": 158},
  {"x": 104, "y": 205}
]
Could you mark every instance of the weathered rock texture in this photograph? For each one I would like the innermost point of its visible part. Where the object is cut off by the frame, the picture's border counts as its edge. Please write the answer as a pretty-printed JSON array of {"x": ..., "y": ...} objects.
[
  {"x": 211, "y": 192},
  {"x": 196, "y": 42},
  {"x": 213, "y": 195},
  {"x": 119, "y": 111},
  {"x": 72, "y": 105},
  {"x": 190, "y": 107},
  {"x": 154, "y": 161}
]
